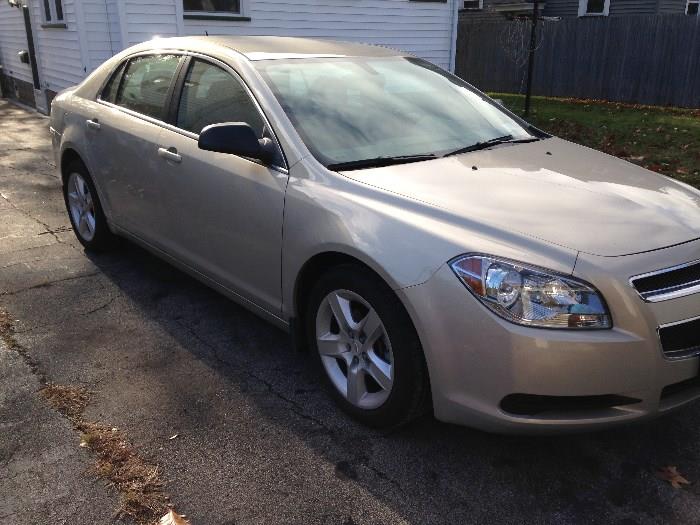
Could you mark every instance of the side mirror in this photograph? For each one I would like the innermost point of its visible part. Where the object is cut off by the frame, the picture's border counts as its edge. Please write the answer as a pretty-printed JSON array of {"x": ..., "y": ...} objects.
[{"x": 236, "y": 138}]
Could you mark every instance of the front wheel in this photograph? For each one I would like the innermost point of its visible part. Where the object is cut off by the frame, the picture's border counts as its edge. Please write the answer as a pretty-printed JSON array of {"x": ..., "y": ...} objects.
[{"x": 367, "y": 347}]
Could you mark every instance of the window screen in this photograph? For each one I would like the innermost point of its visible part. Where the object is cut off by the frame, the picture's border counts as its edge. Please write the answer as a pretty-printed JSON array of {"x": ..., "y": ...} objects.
[
  {"x": 224, "y": 6},
  {"x": 53, "y": 10},
  {"x": 211, "y": 96},
  {"x": 595, "y": 6},
  {"x": 59, "y": 9},
  {"x": 145, "y": 84}
]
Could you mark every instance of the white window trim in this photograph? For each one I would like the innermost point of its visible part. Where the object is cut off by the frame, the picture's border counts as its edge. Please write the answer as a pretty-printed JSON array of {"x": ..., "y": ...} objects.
[
  {"x": 242, "y": 12},
  {"x": 583, "y": 6},
  {"x": 480, "y": 8},
  {"x": 52, "y": 9},
  {"x": 687, "y": 6}
]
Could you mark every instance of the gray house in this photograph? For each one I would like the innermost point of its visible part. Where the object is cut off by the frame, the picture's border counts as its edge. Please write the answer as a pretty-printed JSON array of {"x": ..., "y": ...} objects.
[{"x": 477, "y": 10}]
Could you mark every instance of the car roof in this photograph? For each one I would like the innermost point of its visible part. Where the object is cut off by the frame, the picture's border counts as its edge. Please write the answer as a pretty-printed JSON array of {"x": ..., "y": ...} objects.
[{"x": 275, "y": 47}]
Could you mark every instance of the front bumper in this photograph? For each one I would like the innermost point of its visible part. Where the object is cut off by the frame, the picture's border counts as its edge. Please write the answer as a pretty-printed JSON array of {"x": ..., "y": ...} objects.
[{"x": 476, "y": 360}]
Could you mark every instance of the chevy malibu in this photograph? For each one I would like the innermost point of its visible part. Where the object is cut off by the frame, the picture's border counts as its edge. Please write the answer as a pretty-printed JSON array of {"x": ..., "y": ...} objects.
[{"x": 434, "y": 250}]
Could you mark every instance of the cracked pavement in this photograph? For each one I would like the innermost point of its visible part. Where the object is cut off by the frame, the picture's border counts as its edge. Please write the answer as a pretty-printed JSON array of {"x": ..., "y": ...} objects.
[{"x": 259, "y": 441}]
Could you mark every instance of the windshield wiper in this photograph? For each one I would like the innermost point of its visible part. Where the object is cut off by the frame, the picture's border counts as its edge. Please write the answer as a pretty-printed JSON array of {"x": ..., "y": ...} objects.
[
  {"x": 505, "y": 139},
  {"x": 377, "y": 162}
]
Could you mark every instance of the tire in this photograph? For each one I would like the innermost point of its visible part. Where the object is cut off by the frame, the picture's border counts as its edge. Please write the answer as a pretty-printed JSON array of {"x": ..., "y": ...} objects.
[
  {"x": 85, "y": 210},
  {"x": 381, "y": 361}
]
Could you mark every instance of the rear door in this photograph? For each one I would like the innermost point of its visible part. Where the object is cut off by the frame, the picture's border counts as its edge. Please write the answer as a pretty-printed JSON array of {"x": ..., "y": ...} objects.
[
  {"x": 225, "y": 211},
  {"x": 124, "y": 141}
]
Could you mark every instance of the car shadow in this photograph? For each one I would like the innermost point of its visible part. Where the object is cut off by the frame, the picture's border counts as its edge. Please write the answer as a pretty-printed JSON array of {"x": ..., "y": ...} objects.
[{"x": 426, "y": 472}]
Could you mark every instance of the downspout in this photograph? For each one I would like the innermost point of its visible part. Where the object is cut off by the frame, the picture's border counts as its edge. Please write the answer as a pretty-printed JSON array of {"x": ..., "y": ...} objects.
[
  {"x": 40, "y": 102},
  {"x": 453, "y": 35},
  {"x": 30, "y": 45}
]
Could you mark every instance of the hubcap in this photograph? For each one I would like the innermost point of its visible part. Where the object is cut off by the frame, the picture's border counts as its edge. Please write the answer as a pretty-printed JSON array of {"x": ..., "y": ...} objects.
[
  {"x": 355, "y": 349},
  {"x": 82, "y": 209}
]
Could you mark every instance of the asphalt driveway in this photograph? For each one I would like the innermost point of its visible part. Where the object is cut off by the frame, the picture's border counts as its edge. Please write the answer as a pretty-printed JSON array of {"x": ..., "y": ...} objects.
[{"x": 258, "y": 440}]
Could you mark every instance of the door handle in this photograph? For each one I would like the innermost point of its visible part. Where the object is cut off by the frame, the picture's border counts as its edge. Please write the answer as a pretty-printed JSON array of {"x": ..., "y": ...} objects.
[
  {"x": 170, "y": 154},
  {"x": 92, "y": 124}
]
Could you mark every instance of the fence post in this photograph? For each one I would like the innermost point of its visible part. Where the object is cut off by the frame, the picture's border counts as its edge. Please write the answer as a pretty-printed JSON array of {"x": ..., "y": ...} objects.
[{"x": 531, "y": 56}]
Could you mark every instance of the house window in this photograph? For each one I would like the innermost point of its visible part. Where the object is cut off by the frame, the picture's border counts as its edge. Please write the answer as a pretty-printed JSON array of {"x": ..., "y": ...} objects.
[
  {"x": 53, "y": 10},
  {"x": 691, "y": 7},
  {"x": 473, "y": 5},
  {"x": 593, "y": 7},
  {"x": 213, "y": 6}
]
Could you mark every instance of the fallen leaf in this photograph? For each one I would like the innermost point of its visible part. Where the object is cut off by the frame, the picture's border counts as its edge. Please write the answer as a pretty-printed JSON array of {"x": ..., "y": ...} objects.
[
  {"x": 173, "y": 436},
  {"x": 173, "y": 518},
  {"x": 672, "y": 475}
]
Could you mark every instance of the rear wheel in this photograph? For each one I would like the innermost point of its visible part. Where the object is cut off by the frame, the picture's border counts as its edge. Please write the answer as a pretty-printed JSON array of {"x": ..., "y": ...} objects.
[
  {"x": 367, "y": 347},
  {"x": 84, "y": 209}
]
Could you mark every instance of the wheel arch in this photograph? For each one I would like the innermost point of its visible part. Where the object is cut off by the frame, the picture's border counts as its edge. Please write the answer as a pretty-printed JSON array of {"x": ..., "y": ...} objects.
[
  {"x": 69, "y": 155},
  {"x": 320, "y": 263},
  {"x": 310, "y": 272}
]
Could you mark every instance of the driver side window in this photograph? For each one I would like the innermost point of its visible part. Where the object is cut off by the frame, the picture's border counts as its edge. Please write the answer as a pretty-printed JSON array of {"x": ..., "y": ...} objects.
[{"x": 210, "y": 95}]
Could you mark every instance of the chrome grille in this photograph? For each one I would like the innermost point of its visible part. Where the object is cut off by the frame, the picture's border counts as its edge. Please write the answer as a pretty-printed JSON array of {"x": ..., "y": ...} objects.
[{"x": 669, "y": 283}]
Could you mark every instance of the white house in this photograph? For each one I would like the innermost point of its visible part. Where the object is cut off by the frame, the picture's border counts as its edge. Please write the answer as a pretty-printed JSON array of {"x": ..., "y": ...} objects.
[{"x": 47, "y": 45}]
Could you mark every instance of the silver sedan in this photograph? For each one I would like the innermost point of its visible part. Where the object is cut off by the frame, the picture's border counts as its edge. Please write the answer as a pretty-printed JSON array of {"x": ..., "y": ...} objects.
[{"x": 435, "y": 251}]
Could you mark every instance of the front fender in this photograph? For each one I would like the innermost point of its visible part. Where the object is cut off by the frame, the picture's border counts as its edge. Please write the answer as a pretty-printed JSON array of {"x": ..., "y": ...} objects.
[{"x": 402, "y": 240}]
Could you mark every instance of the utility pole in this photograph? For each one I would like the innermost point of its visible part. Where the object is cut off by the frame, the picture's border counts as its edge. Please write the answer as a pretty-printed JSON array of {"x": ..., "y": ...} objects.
[{"x": 531, "y": 55}]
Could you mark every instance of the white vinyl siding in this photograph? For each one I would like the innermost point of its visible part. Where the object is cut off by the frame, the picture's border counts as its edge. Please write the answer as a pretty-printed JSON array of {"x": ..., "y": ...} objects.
[
  {"x": 115, "y": 29},
  {"x": 145, "y": 20},
  {"x": 96, "y": 29},
  {"x": 58, "y": 51},
  {"x": 13, "y": 40},
  {"x": 98, "y": 32},
  {"x": 422, "y": 28}
]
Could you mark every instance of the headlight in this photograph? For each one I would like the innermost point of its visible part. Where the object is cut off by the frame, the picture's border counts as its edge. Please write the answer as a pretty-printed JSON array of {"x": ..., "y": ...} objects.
[{"x": 532, "y": 296}]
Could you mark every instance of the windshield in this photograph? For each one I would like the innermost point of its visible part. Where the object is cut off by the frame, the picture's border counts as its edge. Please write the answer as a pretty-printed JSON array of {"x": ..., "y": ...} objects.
[{"x": 352, "y": 109}]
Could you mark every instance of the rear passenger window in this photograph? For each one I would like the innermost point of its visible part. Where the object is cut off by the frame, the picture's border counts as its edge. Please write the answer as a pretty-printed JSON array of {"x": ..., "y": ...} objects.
[
  {"x": 145, "y": 84},
  {"x": 211, "y": 96},
  {"x": 109, "y": 92}
]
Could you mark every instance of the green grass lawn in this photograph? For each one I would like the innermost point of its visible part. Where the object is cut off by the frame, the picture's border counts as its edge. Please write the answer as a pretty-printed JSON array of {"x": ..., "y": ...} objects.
[{"x": 666, "y": 140}]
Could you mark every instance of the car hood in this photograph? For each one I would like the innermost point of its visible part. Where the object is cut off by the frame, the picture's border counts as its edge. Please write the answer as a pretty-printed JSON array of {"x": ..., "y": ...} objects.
[{"x": 555, "y": 191}]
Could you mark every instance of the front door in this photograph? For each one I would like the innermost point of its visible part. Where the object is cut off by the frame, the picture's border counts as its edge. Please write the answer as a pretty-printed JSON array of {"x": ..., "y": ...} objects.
[{"x": 226, "y": 211}]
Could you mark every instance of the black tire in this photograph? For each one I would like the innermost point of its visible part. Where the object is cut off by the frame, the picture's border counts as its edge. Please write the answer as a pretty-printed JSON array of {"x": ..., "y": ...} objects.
[
  {"x": 409, "y": 395},
  {"x": 102, "y": 239}
]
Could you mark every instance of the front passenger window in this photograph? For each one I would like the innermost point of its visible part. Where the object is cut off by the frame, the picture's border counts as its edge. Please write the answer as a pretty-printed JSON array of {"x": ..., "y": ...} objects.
[
  {"x": 211, "y": 96},
  {"x": 145, "y": 84}
]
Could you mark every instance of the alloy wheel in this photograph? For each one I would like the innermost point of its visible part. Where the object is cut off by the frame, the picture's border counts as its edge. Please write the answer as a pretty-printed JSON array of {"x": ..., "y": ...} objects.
[{"x": 355, "y": 349}]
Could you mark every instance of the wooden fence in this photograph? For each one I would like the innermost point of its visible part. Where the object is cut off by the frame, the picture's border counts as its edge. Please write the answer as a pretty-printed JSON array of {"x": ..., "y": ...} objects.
[{"x": 642, "y": 59}]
